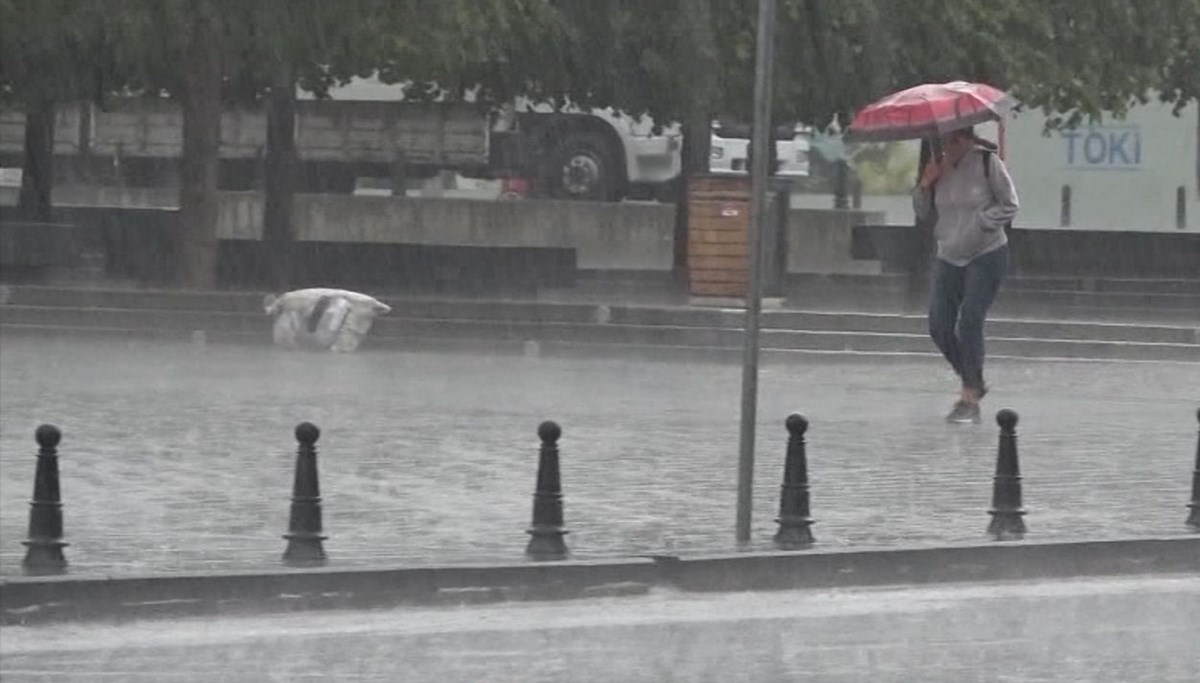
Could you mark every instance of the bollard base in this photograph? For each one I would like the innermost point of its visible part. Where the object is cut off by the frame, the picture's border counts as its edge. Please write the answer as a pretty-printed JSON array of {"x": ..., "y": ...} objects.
[
  {"x": 304, "y": 550},
  {"x": 1007, "y": 526},
  {"x": 794, "y": 533},
  {"x": 44, "y": 557},
  {"x": 546, "y": 544},
  {"x": 1193, "y": 520}
]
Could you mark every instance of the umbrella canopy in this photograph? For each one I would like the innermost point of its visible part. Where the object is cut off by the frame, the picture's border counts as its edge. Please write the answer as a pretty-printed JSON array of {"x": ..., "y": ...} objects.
[{"x": 930, "y": 110}]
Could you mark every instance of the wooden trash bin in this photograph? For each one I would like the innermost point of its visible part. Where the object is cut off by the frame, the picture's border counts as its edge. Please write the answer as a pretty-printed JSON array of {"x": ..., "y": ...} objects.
[{"x": 718, "y": 245}]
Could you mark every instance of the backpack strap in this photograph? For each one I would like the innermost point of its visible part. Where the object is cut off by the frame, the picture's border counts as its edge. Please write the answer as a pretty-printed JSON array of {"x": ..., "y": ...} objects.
[{"x": 987, "y": 173}]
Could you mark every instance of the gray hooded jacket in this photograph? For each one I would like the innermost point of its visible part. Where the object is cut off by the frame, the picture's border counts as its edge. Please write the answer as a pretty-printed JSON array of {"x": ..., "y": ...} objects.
[{"x": 972, "y": 207}]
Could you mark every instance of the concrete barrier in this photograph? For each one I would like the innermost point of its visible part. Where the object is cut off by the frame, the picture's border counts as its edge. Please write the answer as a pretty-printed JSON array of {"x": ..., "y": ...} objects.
[
  {"x": 626, "y": 236},
  {"x": 81, "y": 597},
  {"x": 819, "y": 242},
  {"x": 982, "y": 562},
  {"x": 631, "y": 236},
  {"x": 25, "y": 600}
]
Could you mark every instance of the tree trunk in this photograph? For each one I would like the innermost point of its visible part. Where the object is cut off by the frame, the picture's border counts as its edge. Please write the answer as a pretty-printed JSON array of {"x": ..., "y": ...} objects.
[
  {"x": 697, "y": 57},
  {"x": 201, "y": 103},
  {"x": 278, "y": 236},
  {"x": 841, "y": 185},
  {"x": 82, "y": 172},
  {"x": 695, "y": 152},
  {"x": 37, "y": 168}
]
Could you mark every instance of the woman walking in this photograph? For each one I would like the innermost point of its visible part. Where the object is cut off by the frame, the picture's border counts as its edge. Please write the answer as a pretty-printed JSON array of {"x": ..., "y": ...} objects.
[{"x": 969, "y": 196}]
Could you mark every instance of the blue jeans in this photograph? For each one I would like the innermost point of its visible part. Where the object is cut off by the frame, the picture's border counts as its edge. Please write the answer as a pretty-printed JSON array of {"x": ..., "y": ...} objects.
[{"x": 958, "y": 305}]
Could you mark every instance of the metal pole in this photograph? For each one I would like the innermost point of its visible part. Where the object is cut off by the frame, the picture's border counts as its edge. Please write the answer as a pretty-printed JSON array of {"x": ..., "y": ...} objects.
[{"x": 758, "y": 215}]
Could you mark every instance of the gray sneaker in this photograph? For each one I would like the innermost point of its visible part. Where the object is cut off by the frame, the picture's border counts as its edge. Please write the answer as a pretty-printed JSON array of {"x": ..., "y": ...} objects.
[{"x": 964, "y": 413}]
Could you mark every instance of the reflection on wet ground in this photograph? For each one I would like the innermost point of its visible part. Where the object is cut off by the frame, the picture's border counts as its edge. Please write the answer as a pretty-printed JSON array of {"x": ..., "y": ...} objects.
[{"x": 1112, "y": 630}]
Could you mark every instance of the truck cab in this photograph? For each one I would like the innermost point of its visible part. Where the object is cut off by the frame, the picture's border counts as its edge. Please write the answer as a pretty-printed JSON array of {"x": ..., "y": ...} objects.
[
  {"x": 603, "y": 155},
  {"x": 730, "y": 153}
]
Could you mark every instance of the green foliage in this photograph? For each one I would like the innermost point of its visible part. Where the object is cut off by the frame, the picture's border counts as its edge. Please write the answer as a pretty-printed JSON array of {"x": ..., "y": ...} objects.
[
  {"x": 1074, "y": 59},
  {"x": 54, "y": 50},
  {"x": 886, "y": 168},
  {"x": 667, "y": 58}
]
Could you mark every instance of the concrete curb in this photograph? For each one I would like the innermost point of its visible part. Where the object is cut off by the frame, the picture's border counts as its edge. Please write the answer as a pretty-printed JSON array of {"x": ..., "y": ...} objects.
[
  {"x": 983, "y": 562},
  {"x": 26, "y": 600},
  {"x": 34, "y": 599}
]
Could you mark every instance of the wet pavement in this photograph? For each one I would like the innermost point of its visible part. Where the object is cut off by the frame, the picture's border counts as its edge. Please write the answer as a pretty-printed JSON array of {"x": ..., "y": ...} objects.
[
  {"x": 1093, "y": 631},
  {"x": 178, "y": 458}
]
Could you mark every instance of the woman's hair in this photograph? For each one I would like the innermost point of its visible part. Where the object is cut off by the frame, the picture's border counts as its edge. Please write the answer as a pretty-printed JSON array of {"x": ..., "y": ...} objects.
[{"x": 969, "y": 133}]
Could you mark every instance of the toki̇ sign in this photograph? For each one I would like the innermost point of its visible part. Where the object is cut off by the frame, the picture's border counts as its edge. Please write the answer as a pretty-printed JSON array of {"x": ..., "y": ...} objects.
[{"x": 1103, "y": 148}]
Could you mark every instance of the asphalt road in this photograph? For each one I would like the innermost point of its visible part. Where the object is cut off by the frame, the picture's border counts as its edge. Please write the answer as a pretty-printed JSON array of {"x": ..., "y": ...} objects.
[{"x": 1094, "y": 631}]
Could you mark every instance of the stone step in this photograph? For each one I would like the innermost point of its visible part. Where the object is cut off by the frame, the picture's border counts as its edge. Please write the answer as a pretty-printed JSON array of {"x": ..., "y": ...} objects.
[
  {"x": 1007, "y": 346},
  {"x": 1174, "y": 311},
  {"x": 864, "y": 294},
  {"x": 1013, "y": 340},
  {"x": 1113, "y": 285},
  {"x": 1159, "y": 300},
  {"x": 129, "y": 318},
  {"x": 415, "y": 316},
  {"x": 883, "y": 296},
  {"x": 97, "y": 297},
  {"x": 1127, "y": 315},
  {"x": 899, "y": 281},
  {"x": 825, "y": 353},
  {"x": 1000, "y": 327}
]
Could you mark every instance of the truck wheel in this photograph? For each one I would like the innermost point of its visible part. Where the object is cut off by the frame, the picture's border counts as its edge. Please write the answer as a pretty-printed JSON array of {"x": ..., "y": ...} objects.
[{"x": 582, "y": 167}]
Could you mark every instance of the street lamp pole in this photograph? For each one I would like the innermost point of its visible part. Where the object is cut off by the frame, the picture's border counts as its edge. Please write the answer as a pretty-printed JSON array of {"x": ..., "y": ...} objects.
[{"x": 761, "y": 137}]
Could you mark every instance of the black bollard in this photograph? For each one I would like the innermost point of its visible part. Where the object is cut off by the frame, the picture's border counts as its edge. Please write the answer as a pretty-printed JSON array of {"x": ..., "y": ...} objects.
[
  {"x": 794, "y": 520},
  {"x": 1194, "y": 517},
  {"x": 45, "y": 544},
  {"x": 1007, "y": 512},
  {"x": 546, "y": 533},
  {"x": 304, "y": 528}
]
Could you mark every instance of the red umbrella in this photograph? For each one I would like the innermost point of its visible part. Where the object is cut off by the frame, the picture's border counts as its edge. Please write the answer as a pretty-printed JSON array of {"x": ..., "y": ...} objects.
[{"x": 930, "y": 110}]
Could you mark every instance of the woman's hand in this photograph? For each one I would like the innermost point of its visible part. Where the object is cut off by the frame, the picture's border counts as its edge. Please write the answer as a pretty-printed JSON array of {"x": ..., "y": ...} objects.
[{"x": 933, "y": 171}]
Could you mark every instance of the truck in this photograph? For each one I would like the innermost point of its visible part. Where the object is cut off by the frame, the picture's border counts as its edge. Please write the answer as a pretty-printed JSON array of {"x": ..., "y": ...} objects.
[
  {"x": 1138, "y": 173},
  {"x": 366, "y": 129},
  {"x": 1134, "y": 173}
]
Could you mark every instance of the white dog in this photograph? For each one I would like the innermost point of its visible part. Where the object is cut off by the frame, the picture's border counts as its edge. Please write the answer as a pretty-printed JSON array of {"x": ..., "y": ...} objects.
[{"x": 322, "y": 318}]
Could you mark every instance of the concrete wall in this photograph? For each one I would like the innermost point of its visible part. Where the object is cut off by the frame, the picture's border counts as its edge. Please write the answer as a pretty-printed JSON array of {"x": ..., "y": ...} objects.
[
  {"x": 819, "y": 241},
  {"x": 628, "y": 236}
]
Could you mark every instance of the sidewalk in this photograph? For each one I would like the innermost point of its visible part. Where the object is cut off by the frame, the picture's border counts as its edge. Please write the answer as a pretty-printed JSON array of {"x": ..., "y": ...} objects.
[
  {"x": 1100, "y": 631},
  {"x": 179, "y": 459}
]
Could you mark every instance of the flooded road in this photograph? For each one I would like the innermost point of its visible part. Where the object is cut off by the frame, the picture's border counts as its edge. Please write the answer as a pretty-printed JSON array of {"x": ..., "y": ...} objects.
[{"x": 180, "y": 459}]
